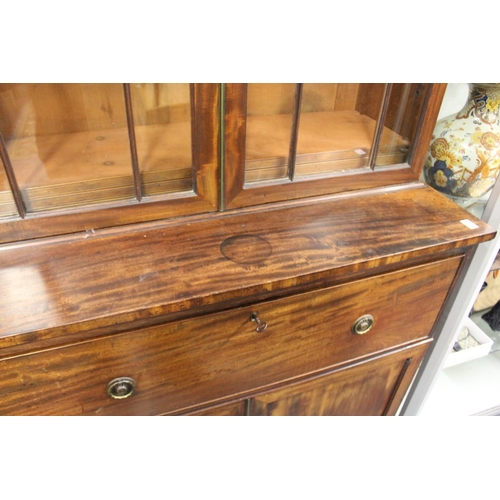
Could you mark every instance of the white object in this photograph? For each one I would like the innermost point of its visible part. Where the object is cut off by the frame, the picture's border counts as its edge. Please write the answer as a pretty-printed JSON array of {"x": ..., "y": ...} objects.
[{"x": 483, "y": 349}]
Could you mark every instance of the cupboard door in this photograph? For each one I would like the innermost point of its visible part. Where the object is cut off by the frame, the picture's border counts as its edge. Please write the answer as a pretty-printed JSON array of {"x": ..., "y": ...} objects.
[
  {"x": 286, "y": 141},
  {"x": 373, "y": 388},
  {"x": 118, "y": 153}
]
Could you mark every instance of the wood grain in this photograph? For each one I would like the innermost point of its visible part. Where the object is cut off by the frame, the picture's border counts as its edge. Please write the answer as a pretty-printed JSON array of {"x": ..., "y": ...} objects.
[
  {"x": 374, "y": 388},
  {"x": 102, "y": 279},
  {"x": 192, "y": 362},
  {"x": 58, "y": 108},
  {"x": 140, "y": 290}
]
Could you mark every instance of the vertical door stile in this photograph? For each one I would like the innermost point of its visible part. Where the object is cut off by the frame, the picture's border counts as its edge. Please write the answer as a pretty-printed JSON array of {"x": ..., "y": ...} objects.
[
  {"x": 14, "y": 186},
  {"x": 379, "y": 128},
  {"x": 221, "y": 138},
  {"x": 295, "y": 131},
  {"x": 133, "y": 144},
  {"x": 420, "y": 125},
  {"x": 243, "y": 132},
  {"x": 234, "y": 140}
]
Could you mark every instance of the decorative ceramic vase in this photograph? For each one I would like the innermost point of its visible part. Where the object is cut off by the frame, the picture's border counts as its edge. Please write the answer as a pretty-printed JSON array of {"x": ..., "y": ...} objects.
[{"x": 464, "y": 156}]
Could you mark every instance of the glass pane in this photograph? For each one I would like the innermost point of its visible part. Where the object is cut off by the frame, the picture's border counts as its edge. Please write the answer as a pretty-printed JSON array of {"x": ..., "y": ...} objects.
[
  {"x": 400, "y": 123},
  {"x": 268, "y": 130},
  {"x": 337, "y": 126},
  {"x": 162, "y": 119},
  {"x": 7, "y": 204},
  {"x": 68, "y": 143}
]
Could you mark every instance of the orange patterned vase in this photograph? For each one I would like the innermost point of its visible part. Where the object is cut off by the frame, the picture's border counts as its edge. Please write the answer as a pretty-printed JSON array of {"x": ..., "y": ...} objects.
[{"x": 464, "y": 156}]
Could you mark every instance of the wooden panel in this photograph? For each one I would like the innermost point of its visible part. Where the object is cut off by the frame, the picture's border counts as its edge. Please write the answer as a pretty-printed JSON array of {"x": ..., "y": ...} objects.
[
  {"x": 346, "y": 97},
  {"x": 404, "y": 119},
  {"x": 369, "y": 99},
  {"x": 374, "y": 388},
  {"x": 269, "y": 98},
  {"x": 160, "y": 103},
  {"x": 277, "y": 98},
  {"x": 106, "y": 279},
  {"x": 195, "y": 361}
]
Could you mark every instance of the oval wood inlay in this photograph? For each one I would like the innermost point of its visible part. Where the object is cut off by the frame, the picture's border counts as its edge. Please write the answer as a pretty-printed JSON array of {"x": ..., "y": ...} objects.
[{"x": 246, "y": 249}]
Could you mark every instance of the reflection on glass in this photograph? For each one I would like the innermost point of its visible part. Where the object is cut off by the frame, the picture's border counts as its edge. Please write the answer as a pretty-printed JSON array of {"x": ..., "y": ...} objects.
[
  {"x": 400, "y": 124},
  {"x": 162, "y": 119},
  {"x": 7, "y": 205},
  {"x": 68, "y": 143},
  {"x": 268, "y": 130},
  {"x": 337, "y": 127}
]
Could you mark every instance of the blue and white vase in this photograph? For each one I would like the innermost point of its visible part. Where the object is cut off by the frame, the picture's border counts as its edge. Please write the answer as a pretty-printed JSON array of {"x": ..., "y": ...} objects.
[{"x": 463, "y": 160}]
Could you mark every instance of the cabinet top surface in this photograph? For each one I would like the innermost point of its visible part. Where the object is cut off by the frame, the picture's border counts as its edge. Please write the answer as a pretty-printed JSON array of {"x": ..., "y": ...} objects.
[{"x": 97, "y": 280}]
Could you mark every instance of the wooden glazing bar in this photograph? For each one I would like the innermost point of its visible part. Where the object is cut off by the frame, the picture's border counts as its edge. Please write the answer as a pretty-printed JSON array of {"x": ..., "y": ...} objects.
[
  {"x": 194, "y": 155},
  {"x": 295, "y": 131},
  {"x": 133, "y": 144},
  {"x": 14, "y": 187},
  {"x": 380, "y": 125}
]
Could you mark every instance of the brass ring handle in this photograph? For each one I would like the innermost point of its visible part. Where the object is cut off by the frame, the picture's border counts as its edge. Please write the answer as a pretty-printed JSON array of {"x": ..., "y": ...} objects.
[
  {"x": 363, "y": 324},
  {"x": 261, "y": 325},
  {"x": 121, "y": 387}
]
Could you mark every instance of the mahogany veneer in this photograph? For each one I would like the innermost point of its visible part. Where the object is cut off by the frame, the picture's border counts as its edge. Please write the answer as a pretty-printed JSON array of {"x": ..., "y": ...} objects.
[
  {"x": 206, "y": 249},
  {"x": 170, "y": 305}
]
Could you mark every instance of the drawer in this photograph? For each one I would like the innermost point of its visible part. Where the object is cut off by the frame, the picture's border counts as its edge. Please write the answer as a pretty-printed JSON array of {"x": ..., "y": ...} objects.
[{"x": 201, "y": 360}]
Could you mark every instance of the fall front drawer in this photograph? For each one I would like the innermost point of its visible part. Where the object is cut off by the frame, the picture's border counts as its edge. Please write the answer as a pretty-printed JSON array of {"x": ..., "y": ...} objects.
[{"x": 223, "y": 355}]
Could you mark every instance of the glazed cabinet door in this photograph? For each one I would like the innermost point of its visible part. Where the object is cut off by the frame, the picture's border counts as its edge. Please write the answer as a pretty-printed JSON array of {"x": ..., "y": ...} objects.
[
  {"x": 285, "y": 141},
  {"x": 85, "y": 156},
  {"x": 373, "y": 388}
]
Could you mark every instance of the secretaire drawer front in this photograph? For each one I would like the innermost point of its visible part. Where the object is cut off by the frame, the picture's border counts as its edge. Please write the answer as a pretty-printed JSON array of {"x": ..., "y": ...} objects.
[{"x": 183, "y": 364}]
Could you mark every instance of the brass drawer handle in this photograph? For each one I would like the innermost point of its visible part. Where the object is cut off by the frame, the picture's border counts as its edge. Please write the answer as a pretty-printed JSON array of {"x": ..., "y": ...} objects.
[
  {"x": 121, "y": 387},
  {"x": 363, "y": 324},
  {"x": 261, "y": 325}
]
